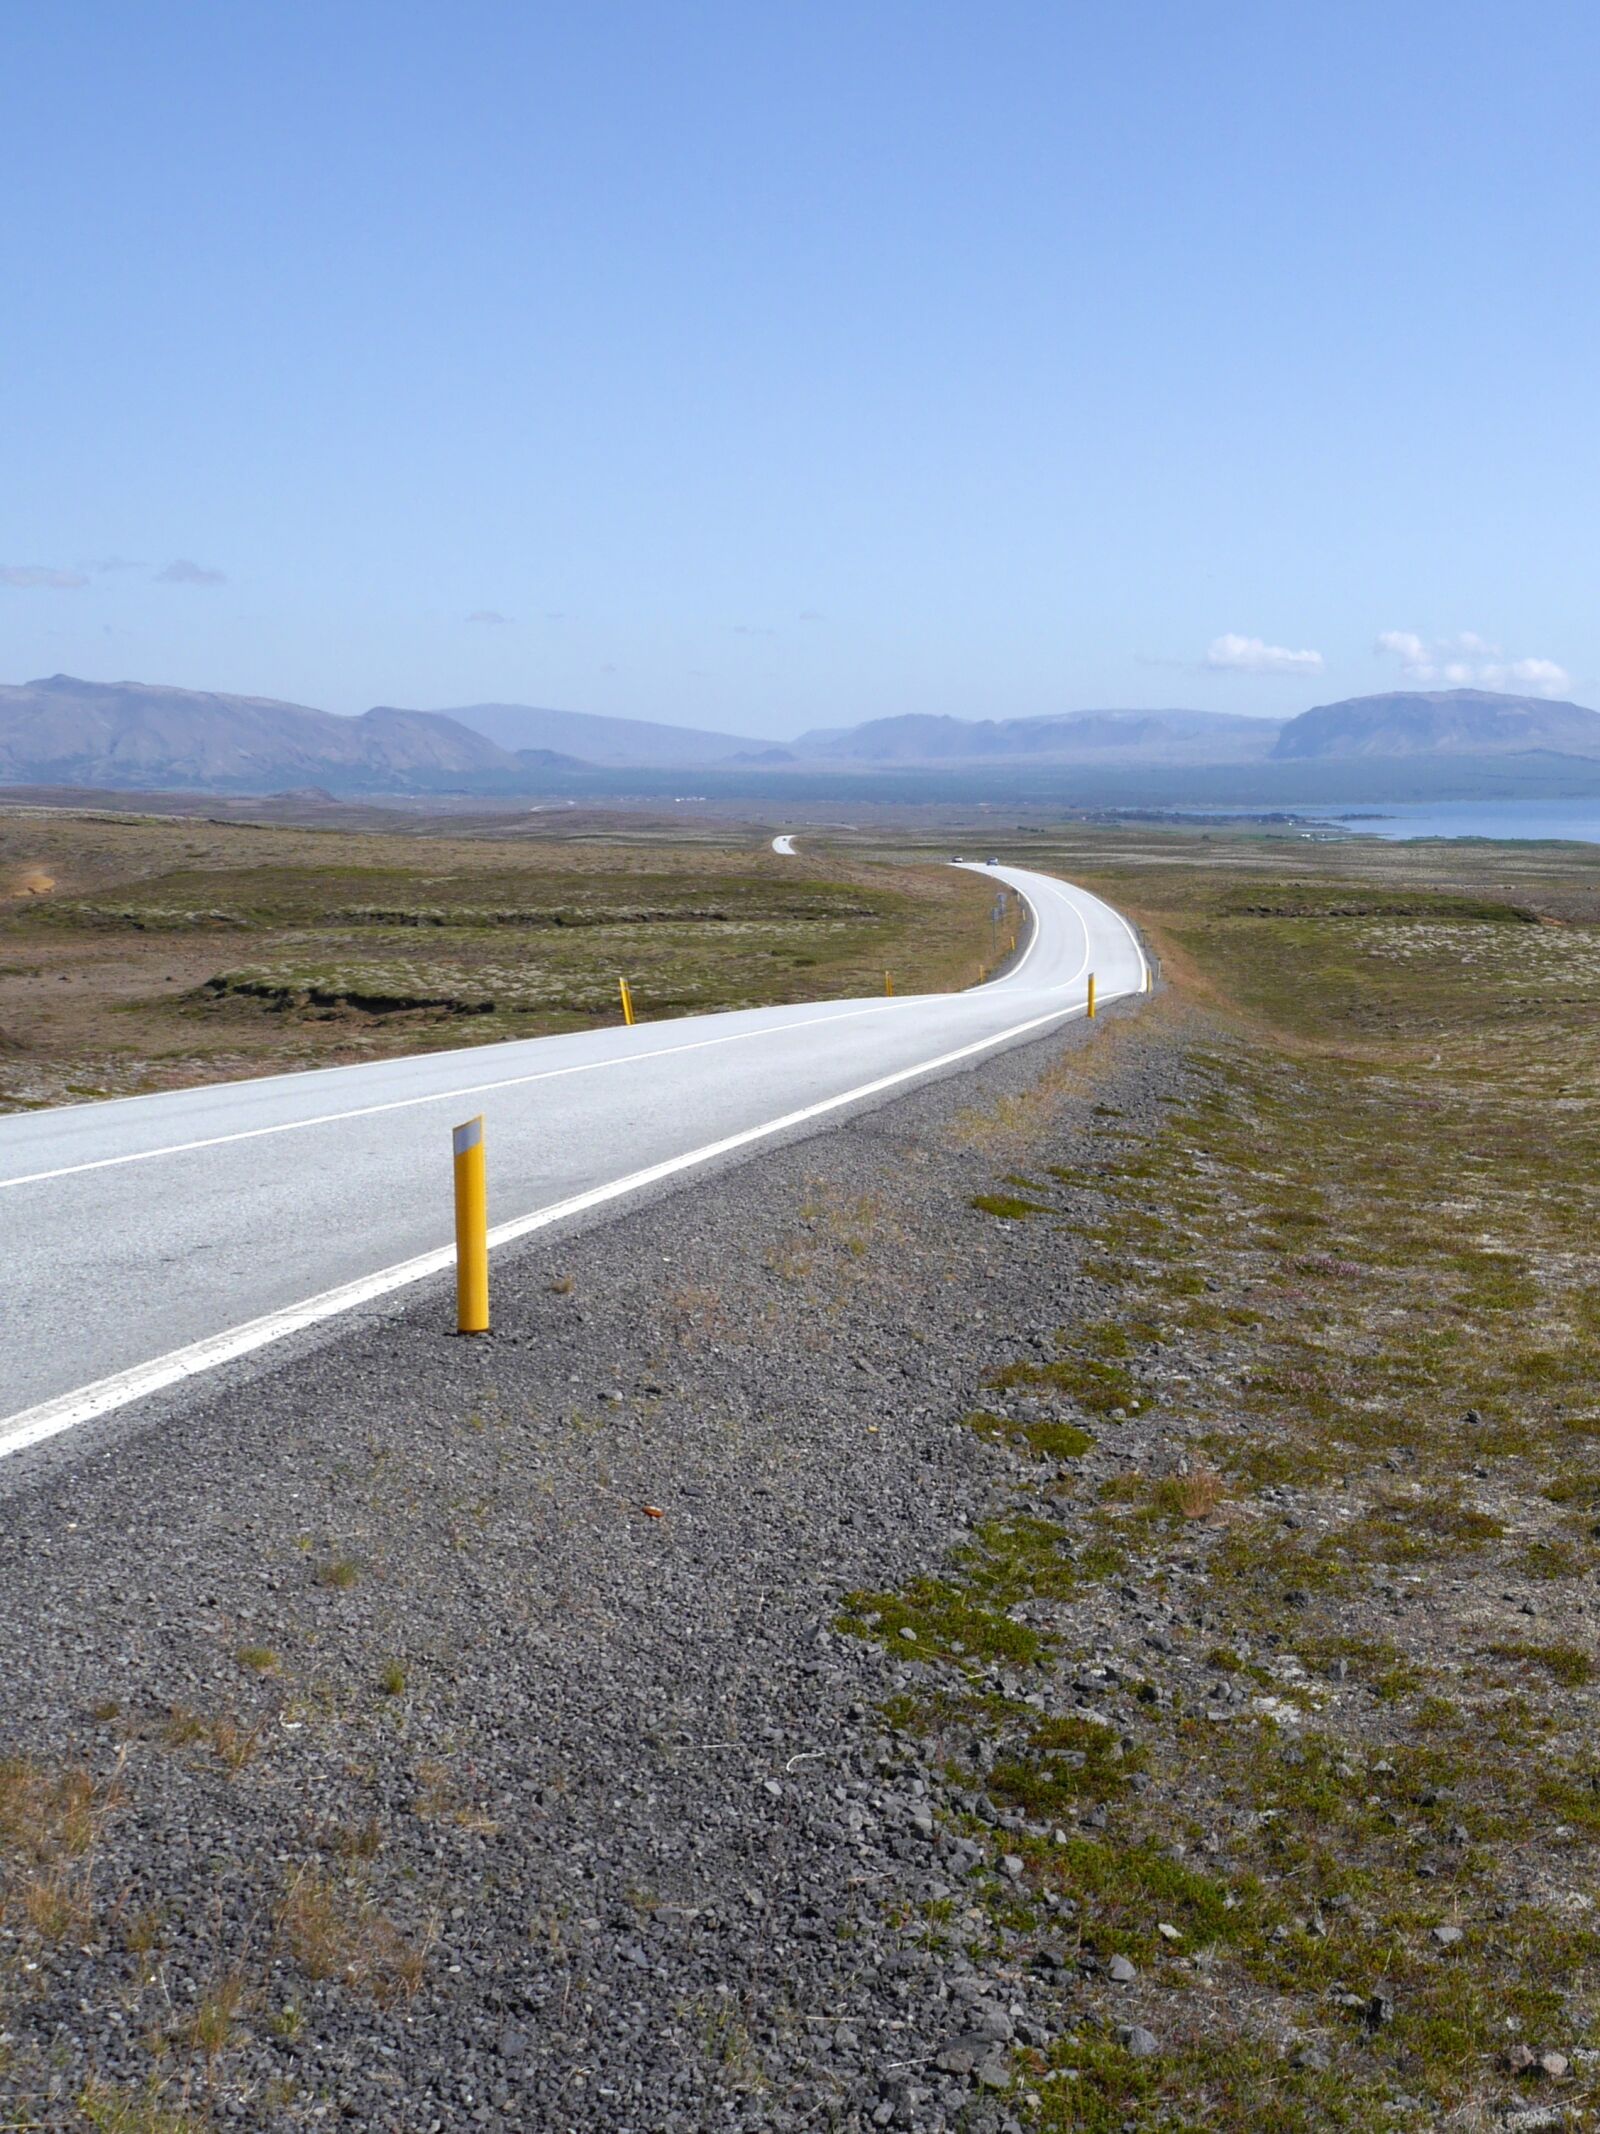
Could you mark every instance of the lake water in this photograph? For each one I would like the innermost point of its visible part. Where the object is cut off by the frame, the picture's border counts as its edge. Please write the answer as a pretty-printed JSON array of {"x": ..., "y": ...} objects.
[{"x": 1578, "y": 819}]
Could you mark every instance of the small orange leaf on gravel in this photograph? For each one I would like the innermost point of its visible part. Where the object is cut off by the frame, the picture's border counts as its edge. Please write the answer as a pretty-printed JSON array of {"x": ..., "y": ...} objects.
[{"x": 654, "y": 1511}]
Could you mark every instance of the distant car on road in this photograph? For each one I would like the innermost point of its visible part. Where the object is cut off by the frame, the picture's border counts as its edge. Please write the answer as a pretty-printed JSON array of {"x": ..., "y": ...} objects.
[{"x": 993, "y": 860}]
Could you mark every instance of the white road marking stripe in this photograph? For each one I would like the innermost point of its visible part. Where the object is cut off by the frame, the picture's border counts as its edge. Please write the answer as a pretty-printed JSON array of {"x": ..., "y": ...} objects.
[
  {"x": 32, "y": 1426},
  {"x": 516, "y": 1081},
  {"x": 441, "y": 1096}
]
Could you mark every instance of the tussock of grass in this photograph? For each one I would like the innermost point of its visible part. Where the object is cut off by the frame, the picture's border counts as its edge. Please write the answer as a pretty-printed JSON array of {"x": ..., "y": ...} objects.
[{"x": 329, "y": 1928}]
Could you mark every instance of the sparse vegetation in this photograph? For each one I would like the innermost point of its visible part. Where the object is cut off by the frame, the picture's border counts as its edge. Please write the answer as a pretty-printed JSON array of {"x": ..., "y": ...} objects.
[
  {"x": 1345, "y": 1834},
  {"x": 139, "y": 953},
  {"x": 1045, "y": 1440},
  {"x": 114, "y": 2108},
  {"x": 1008, "y": 1207},
  {"x": 330, "y": 1928}
]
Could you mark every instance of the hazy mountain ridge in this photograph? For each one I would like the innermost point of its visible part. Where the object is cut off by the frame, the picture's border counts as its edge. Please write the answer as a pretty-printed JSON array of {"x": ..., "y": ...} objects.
[
  {"x": 594, "y": 737},
  {"x": 61, "y": 731},
  {"x": 1406, "y": 722},
  {"x": 64, "y": 731},
  {"x": 1149, "y": 736}
]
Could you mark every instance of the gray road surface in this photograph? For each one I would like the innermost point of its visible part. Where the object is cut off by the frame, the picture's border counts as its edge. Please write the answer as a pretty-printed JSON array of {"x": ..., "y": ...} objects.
[{"x": 151, "y": 1238}]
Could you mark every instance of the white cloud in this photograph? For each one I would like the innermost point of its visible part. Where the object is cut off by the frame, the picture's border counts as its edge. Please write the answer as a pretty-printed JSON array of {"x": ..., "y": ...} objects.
[
  {"x": 25, "y": 576},
  {"x": 1468, "y": 661},
  {"x": 1541, "y": 674},
  {"x": 183, "y": 572},
  {"x": 1253, "y": 655}
]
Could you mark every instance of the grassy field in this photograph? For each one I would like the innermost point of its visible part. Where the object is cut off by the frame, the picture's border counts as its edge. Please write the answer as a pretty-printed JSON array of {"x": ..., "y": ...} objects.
[
  {"x": 1342, "y": 1437},
  {"x": 141, "y": 953}
]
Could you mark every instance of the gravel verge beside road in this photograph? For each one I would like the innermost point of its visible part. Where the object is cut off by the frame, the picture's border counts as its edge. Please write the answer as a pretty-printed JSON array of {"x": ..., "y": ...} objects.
[{"x": 433, "y": 1735}]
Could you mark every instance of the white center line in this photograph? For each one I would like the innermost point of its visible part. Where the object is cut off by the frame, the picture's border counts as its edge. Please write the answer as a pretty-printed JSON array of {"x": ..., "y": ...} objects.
[
  {"x": 442, "y": 1096},
  {"x": 518, "y": 1081},
  {"x": 31, "y": 1426}
]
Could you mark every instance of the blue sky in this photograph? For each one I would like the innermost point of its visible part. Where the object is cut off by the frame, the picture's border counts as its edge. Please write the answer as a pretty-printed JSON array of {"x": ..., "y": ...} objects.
[{"x": 764, "y": 366}]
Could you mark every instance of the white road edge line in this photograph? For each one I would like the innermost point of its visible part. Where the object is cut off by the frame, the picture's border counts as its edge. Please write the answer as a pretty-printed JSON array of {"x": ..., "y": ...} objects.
[
  {"x": 520, "y": 1081},
  {"x": 32, "y": 1426},
  {"x": 446, "y": 1096}
]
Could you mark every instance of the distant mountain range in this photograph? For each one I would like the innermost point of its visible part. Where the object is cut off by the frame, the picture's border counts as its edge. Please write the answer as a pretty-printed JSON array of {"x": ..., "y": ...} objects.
[
  {"x": 65, "y": 732},
  {"x": 593, "y": 738},
  {"x": 1062, "y": 737}
]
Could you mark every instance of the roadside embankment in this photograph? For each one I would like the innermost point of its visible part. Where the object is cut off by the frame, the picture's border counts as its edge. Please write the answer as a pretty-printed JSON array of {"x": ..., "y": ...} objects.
[{"x": 433, "y": 1734}]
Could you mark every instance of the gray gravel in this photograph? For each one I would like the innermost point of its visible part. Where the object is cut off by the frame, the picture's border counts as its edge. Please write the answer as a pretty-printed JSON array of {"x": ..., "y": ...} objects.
[{"x": 623, "y": 1841}]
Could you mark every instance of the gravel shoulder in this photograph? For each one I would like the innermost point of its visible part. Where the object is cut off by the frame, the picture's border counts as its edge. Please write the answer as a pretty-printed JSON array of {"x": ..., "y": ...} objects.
[{"x": 431, "y": 1735}]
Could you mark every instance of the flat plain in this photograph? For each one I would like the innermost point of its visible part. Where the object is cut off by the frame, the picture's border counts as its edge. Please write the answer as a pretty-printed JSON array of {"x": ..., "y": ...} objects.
[{"x": 147, "y": 952}]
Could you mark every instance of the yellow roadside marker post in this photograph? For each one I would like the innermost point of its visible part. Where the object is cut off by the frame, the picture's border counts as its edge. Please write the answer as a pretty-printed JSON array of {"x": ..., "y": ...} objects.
[
  {"x": 888, "y": 983},
  {"x": 1091, "y": 996},
  {"x": 626, "y": 991},
  {"x": 472, "y": 1229}
]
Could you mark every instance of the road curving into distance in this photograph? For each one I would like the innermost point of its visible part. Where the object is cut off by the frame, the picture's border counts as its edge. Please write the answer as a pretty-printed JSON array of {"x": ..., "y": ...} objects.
[{"x": 152, "y": 1238}]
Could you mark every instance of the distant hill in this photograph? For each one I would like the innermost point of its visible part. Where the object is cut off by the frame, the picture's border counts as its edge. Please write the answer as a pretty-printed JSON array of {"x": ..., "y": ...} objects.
[
  {"x": 126, "y": 733},
  {"x": 597, "y": 738},
  {"x": 1057, "y": 737},
  {"x": 1438, "y": 722},
  {"x": 62, "y": 731}
]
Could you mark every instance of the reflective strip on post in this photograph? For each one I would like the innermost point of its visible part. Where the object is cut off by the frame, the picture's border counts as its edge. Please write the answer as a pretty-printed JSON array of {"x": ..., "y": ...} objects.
[{"x": 472, "y": 1229}]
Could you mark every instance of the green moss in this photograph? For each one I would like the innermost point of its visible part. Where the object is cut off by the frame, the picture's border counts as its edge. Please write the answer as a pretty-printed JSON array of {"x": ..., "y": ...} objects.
[
  {"x": 1580, "y": 1489},
  {"x": 1217, "y": 2084},
  {"x": 944, "y": 1623},
  {"x": 1548, "y": 1559},
  {"x": 1092, "y": 1384},
  {"x": 1567, "y": 1664},
  {"x": 1008, "y": 1207},
  {"x": 1067, "y": 1761},
  {"x": 1046, "y": 1440}
]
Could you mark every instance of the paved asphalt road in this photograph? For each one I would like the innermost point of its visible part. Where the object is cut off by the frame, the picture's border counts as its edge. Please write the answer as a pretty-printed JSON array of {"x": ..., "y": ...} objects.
[{"x": 153, "y": 1237}]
